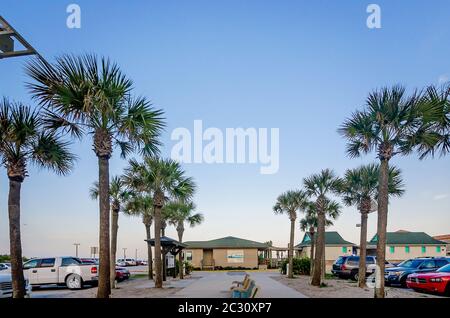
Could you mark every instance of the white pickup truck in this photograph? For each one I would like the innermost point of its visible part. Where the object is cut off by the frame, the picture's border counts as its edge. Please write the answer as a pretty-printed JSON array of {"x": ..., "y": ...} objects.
[{"x": 67, "y": 271}]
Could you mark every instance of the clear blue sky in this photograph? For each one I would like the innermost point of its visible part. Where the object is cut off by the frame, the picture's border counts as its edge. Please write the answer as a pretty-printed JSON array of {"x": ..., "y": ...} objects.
[{"x": 301, "y": 66}]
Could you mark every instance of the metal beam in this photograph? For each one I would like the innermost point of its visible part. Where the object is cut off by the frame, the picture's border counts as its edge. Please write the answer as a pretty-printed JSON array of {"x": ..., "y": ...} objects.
[{"x": 7, "y": 30}]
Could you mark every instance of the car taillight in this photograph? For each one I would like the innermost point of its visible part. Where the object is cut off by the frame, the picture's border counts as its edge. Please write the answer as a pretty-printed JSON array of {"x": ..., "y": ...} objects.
[{"x": 94, "y": 270}]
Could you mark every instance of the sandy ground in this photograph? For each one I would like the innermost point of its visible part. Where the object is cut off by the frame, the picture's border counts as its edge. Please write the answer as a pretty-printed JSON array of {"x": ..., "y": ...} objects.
[{"x": 340, "y": 288}]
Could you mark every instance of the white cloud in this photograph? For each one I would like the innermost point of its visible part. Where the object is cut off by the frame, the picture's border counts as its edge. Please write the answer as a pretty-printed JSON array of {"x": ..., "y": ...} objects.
[
  {"x": 444, "y": 78},
  {"x": 440, "y": 196}
]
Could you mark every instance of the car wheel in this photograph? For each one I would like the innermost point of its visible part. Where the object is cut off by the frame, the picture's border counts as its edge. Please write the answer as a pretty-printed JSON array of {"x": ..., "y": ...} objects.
[
  {"x": 447, "y": 289},
  {"x": 403, "y": 282},
  {"x": 74, "y": 281},
  {"x": 354, "y": 275}
]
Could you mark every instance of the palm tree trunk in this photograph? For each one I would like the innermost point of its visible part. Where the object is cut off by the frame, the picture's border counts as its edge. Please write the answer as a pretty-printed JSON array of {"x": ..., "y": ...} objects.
[
  {"x": 311, "y": 257},
  {"x": 149, "y": 252},
  {"x": 114, "y": 230},
  {"x": 158, "y": 263},
  {"x": 381, "y": 227},
  {"x": 180, "y": 255},
  {"x": 18, "y": 279},
  {"x": 320, "y": 249},
  {"x": 291, "y": 250},
  {"x": 104, "y": 287},
  {"x": 363, "y": 251}
]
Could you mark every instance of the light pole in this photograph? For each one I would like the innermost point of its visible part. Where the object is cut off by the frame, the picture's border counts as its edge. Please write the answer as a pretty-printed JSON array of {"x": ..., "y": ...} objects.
[
  {"x": 124, "y": 255},
  {"x": 76, "y": 248},
  {"x": 136, "y": 255},
  {"x": 8, "y": 35}
]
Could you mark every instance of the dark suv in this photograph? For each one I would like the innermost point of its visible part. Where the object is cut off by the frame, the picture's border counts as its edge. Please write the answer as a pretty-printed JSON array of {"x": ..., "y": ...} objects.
[
  {"x": 398, "y": 275},
  {"x": 348, "y": 266}
]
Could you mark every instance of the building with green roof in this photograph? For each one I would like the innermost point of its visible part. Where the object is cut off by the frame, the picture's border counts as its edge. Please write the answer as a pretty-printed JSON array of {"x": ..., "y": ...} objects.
[
  {"x": 226, "y": 252},
  {"x": 403, "y": 245},
  {"x": 335, "y": 246}
]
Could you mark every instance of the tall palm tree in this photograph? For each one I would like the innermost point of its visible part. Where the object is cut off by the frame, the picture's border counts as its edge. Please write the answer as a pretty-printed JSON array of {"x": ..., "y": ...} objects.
[
  {"x": 319, "y": 186},
  {"x": 309, "y": 223},
  {"x": 392, "y": 123},
  {"x": 179, "y": 214},
  {"x": 118, "y": 196},
  {"x": 85, "y": 94},
  {"x": 290, "y": 203},
  {"x": 141, "y": 204},
  {"x": 164, "y": 180},
  {"x": 360, "y": 188},
  {"x": 438, "y": 98},
  {"x": 23, "y": 141}
]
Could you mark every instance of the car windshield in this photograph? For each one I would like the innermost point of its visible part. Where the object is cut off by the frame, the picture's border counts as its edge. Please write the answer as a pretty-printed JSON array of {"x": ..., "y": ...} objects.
[
  {"x": 445, "y": 269},
  {"x": 411, "y": 263},
  {"x": 340, "y": 260}
]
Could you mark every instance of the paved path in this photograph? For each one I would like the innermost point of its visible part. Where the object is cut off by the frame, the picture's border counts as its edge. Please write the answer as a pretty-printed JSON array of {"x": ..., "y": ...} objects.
[{"x": 217, "y": 285}]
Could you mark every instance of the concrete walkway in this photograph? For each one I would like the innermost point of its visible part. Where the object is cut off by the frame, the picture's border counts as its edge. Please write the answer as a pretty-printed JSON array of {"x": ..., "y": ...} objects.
[{"x": 217, "y": 285}]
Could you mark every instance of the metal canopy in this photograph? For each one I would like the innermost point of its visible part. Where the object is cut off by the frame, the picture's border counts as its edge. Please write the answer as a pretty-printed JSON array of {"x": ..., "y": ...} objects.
[
  {"x": 7, "y": 37},
  {"x": 168, "y": 245}
]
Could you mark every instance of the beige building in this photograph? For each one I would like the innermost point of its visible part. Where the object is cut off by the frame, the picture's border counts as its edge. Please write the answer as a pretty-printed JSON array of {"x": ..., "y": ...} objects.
[
  {"x": 335, "y": 246},
  {"x": 403, "y": 245},
  {"x": 446, "y": 239},
  {"x": 227, "y": 252}
]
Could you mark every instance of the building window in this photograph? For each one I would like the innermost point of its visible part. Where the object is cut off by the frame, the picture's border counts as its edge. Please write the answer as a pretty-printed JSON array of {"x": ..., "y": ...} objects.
[
  {"x": 406, "y": 249},
  {"x": 392, "y": 249},
  {"x": 438, "y": 249},
  {"x": 189, "y": 256},
  {"x": 424, "y": 249},
  {"x": 344, "y": 249}
]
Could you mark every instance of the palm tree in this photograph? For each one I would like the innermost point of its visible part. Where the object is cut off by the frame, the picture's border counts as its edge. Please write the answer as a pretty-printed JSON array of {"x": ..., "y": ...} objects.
[
  {"x": 24, "y": 140},
  {"x": 181, "y": 213},
  {"x": 309, "y": 223},
  {"x": 89, "y": 95},
  {"x": 392, "y": 123},
  {"x": 164, "y": 180},
  {"x": 438, "y": 98},
  {"x": 118, "y": 196},
  {"x": 290, "y": 203},
  {"x": 319, "y": 186},
  {"x": 141, "y": 205},
  {"x": 360, "y": 188}
]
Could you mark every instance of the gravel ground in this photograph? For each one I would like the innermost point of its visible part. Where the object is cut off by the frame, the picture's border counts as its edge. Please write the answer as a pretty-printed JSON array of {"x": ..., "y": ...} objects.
[{"x": 340, "y": 288}]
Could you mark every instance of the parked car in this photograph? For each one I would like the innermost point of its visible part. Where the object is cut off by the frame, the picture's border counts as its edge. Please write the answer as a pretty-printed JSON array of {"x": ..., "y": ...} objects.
[
  {"x": 435, "y": 282},
  {"x": 348, "y": 266},
  {"x": 121, "y": 264},
  {"x": 6, "y": 289},
  {"x": 122, "y": 274},
  {"x": 3, "y": 267},
  {"x": 69, "y": 271},
  {"x": 127, "y": 261},
  {"x": 398, "y": 275},
  {"x": 144, "y": 263}
]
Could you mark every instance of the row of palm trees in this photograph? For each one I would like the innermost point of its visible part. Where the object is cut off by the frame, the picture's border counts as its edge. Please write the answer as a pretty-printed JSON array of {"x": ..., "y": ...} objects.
[
  {"x": 392, "y": 123},
  {"x": 81, "y": 96},
  {"x": 133, "y": 193}
]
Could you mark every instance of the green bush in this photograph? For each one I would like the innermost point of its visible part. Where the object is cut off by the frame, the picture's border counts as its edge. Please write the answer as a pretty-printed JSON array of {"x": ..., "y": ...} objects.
[
  {"x": 188, "y": 267},
  {"x": 301, "y": 266}
]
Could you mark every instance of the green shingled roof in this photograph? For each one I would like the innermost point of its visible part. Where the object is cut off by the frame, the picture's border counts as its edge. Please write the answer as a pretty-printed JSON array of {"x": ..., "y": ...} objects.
[
  {"x": 226, "y": 242},
  {"x": 400, "y": 238},
  {"x": 331, "y": 238}
]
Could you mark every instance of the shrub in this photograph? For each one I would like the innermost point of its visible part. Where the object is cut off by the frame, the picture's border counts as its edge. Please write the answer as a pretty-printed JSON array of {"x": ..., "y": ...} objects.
[
  {"x": 188, "y": 267},
  {"x": 301, "y": 266}
]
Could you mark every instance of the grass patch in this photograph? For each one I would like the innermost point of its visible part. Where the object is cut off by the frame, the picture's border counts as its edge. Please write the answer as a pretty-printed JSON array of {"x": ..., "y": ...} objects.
[
  {"x": 135, "y": 276},
  {"x": 329, "y": 276}
]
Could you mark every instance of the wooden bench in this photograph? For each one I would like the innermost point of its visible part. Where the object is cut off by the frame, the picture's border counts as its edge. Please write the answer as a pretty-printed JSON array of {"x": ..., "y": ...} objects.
[{"x": 248, "y": 290}]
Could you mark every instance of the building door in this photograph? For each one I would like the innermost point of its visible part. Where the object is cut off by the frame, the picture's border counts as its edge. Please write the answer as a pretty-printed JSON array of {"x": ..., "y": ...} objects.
[{"x": 208, "y": 258}]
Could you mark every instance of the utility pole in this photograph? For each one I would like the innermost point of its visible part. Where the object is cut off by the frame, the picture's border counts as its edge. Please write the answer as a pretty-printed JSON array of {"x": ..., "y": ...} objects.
[
  {"x": 76, "y": 248},
  {"x": 136, "y": 255},
  {"x": 124, "y": 255}
]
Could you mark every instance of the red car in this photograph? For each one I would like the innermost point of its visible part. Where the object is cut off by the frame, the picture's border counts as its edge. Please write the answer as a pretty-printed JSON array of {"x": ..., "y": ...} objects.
[{"x": 435, "y": 282}]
